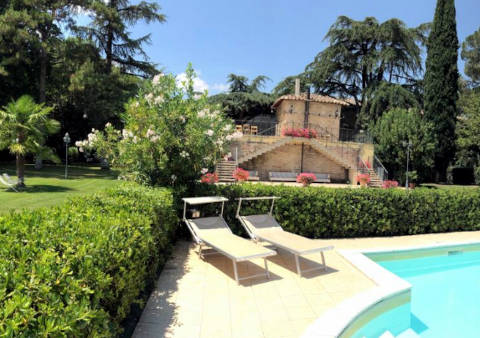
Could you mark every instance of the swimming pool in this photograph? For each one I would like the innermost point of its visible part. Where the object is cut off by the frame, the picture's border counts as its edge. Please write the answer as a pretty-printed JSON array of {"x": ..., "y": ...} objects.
[{"x": 444, "y": 299}]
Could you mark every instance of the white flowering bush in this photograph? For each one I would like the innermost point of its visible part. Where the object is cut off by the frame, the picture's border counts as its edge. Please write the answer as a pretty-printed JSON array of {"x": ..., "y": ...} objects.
[{"x": 171, "y": 134}]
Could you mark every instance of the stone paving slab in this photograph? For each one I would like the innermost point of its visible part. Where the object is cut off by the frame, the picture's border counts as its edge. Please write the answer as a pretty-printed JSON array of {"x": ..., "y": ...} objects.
[{"x": 200, "y": 298}]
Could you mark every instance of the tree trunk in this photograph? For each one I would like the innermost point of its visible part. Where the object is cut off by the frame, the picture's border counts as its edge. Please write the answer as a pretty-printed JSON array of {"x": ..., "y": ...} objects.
[
  {"x": 109, "y": 47},
  {"x": 42, "y": 96},
  {"x": 20, "y": 171},
  {"x": 43, "y": 74}
]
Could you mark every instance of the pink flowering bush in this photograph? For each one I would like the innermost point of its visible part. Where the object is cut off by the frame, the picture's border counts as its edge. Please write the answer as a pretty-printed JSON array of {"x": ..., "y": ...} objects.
[
  {"x": 209, "y": 178},
  {"x": 171, "y": 132},
  {"x": 364, "y": 179},
  {"x": 389, "y": 184},
  {"x": 241, "y": 175},
  {"x": 306, "y": 179},
  {"x": 300, "y": 132}
]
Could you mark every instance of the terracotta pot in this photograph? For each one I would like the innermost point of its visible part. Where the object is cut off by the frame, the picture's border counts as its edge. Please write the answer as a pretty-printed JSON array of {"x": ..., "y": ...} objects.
[
  {"x": 411, "y": 185},
  {"x": 363, "y": 183}
]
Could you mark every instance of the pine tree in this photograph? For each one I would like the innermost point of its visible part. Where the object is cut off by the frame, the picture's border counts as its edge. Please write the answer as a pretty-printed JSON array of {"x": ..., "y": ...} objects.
[
  {"x": 441, "y": 83},
  {"x": 111, "y": 20}
]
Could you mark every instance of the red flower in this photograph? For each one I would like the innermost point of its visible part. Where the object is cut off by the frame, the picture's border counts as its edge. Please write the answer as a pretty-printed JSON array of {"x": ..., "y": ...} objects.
[
  {"x": 389, "y": 184},
  {"x": 300, "y": 132},
  {"x": 241, "y": 174},
  {"x": 306, "y": 178},
  {"x": 209, "y": 178},
  {"x": 363, "y": 178}
]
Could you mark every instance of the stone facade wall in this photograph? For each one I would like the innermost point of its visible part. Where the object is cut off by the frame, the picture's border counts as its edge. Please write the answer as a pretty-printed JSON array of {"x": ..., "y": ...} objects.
[
  {"x": 325, "y": 115},
  {"x": 288, "y": 158}
]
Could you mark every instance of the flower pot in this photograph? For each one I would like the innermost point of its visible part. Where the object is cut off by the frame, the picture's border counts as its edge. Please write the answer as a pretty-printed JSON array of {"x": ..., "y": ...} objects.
[{"x": 411, "y": 185}]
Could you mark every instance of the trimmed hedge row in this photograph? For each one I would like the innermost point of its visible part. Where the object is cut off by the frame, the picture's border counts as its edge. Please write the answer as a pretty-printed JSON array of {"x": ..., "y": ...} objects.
[
  {"x": 337, "y": 213},
  {"x": 74, "y": 270}
]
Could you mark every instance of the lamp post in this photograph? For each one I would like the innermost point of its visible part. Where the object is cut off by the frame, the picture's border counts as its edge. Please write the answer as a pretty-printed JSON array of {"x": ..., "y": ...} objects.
[
  {"x": 67, "y": 140},
  {"x": 407, "y": 145}
]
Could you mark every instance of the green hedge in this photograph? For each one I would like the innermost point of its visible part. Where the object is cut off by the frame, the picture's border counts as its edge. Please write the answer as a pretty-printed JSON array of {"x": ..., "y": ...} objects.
[
  {"x": 74, "y": 270},
  {"x": 339, "y": 213}
]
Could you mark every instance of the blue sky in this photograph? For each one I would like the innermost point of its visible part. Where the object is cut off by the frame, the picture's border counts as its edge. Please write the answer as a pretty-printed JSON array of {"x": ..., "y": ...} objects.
[{"x": 276, "y": 38}]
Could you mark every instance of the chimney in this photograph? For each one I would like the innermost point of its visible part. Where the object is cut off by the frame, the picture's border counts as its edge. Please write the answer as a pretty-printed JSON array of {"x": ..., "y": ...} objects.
[{"x": 297, "y": 87}]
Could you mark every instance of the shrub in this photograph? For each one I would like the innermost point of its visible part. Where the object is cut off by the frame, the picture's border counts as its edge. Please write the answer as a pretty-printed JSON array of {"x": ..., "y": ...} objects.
[
  {"x": 75, "y": 270},
  {"x": 319, "y": 212},
  {"x": 363, "y": 178},
  {"x": 170, "y": 132},
  {"x": 389, "y": 184},
  {"x": 241, "y": 174},
  {"x": 209, "y": 178},
  {"x": 306, "y": 178}
]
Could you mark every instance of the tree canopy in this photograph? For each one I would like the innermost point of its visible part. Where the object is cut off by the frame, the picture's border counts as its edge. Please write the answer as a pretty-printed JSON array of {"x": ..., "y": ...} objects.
[
  {"x": 245, "y": 98},
  {"x": 362, "y": 54},
  {"x": 471, "y": 56},
  {"x": 109, "y": 29},
  {"x": 396, "y": 127}
]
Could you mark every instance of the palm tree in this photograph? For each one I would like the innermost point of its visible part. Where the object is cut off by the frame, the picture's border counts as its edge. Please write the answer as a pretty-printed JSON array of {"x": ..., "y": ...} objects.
[{"x": 24, "y": 126}]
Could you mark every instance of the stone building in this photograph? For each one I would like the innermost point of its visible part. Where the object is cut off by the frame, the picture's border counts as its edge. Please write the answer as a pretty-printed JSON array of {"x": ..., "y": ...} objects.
[{"x": 304, "y": 136}]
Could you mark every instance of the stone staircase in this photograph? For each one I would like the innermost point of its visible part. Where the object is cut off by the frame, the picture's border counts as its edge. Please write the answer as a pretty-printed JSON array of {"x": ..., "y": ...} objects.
[
  {"x": 263, "y": 150},
  {"x": 375, "y": 180},
  {"x": 224, "y": 170}
]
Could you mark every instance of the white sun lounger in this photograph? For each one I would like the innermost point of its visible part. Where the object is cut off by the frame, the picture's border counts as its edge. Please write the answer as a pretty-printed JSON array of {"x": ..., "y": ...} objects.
[
  {"x": 215, "y": 233},
  {"x": 7, "y": 181},
  {"x": 264, "y": 227}
]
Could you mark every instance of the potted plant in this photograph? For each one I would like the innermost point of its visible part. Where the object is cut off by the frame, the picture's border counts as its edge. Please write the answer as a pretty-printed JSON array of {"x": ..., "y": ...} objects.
[
  {"x": 364, "y": 179},
  {"x": 306, "y": 179}
]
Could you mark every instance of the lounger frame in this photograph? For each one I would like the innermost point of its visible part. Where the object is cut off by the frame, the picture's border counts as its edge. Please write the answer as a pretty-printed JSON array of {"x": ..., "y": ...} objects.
[
  {"x": 257, "y": 237},
  {"x": 201, "y": 242}
]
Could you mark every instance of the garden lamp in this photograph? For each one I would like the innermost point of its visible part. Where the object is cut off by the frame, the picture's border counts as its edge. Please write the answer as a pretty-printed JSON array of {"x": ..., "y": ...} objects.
[{"x": 67, "y": 140}]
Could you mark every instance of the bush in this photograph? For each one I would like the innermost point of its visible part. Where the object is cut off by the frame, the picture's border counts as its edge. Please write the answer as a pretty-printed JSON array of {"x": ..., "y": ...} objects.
[
  {"x": 306, "y": 179},
  {"x": 75, "y": 270},
  {"x": 339, "y": 213},
  {"x": 389, "y": 184},
  {"x": 240, "y": 175}
]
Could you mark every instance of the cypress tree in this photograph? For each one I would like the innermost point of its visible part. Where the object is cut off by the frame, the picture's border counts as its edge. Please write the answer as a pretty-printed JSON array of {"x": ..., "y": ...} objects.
[{"x": 441, "y": 83}]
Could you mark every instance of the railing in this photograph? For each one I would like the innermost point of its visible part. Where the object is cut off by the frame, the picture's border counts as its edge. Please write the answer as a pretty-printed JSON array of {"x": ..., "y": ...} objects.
[
  {"x": 379, "y": 168},
  {"x": 266, "y": 128}
]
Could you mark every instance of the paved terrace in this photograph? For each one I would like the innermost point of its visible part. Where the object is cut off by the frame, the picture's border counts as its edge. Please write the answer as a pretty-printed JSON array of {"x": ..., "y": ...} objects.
[{"x": 196, "y": 298}]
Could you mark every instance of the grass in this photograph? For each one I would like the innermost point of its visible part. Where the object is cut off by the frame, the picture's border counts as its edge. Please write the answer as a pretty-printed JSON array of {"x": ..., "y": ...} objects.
[
  {"x": 48, "y": 186},
  {"x": 448, "y": 186}
]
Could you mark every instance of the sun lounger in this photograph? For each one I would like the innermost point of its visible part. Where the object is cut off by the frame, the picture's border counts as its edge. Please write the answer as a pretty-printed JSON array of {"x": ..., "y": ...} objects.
[
  {"x": 215, "y": 233},
  {"x": 264, "y": 227},
  {"x": 282, "y": 176},
  {"x": 7, "y": 181}
]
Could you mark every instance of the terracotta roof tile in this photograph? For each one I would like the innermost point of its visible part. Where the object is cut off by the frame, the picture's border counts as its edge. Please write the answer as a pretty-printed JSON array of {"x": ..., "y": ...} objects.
[{"x": 313, "y": 97}]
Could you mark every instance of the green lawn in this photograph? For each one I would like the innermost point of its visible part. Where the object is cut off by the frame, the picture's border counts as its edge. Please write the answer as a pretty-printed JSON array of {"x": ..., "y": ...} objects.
[{"x": 49, "y": 187}]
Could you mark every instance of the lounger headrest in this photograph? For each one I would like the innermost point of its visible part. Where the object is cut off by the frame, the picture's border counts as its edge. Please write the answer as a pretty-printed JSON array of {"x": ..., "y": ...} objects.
[
  {"x": 209, "y": 223},
  {"x": 262, "y": 221}
]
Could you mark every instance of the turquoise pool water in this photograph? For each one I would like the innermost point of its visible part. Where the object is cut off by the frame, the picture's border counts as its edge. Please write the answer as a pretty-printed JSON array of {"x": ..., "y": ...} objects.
[{"x": 445, "y": 295}]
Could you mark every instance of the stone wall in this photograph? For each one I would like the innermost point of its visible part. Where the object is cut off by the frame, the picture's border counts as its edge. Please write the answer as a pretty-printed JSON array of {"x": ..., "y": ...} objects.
[
  {"x": 324, "y": 115},
  {"x": 288, "y": 158}
]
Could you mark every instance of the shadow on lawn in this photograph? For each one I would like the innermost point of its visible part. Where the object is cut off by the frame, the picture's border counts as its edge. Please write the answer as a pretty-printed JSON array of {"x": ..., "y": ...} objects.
[{"x": 44, "y": 188}]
